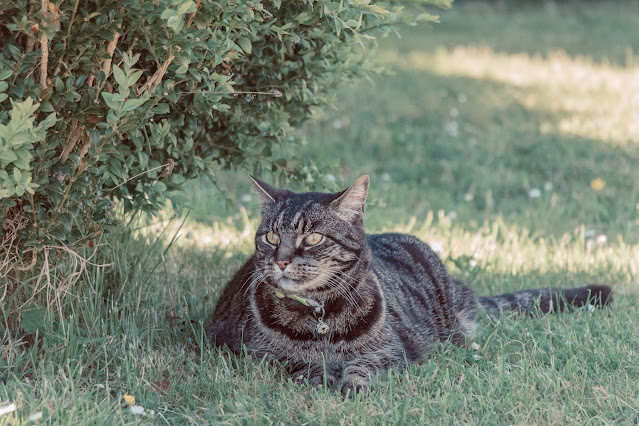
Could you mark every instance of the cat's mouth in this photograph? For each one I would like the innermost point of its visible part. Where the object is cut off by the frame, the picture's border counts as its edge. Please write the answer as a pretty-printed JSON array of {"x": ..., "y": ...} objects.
[
  {"x": 296, "y": 285},
  {"x": 288, "y": 284}
]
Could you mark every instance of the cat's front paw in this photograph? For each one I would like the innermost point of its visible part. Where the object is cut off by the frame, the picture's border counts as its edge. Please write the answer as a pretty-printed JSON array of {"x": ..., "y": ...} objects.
[
  {"x": 354, "y": 384},
  {"x": 315, "y": 377}
]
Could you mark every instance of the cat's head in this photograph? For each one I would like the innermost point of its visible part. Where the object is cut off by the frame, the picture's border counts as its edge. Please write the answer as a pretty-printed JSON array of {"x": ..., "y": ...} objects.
[{"x": 310, "y": 241}]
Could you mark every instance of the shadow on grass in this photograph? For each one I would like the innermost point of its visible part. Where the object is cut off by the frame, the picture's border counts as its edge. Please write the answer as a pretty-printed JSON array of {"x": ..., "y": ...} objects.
[{"x": 488, "y": 156}]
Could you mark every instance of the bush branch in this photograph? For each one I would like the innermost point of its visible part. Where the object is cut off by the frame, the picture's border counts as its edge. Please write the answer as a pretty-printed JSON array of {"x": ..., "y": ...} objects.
[
  {"x": 192, "y": 15},
  {"x": 169, "y": 170},
  {"x": 156, "y": 78},
  {"x": 106, "y": 65},
  {"x": 44, "y": 47},
  {"x": 76, "y": 135}
]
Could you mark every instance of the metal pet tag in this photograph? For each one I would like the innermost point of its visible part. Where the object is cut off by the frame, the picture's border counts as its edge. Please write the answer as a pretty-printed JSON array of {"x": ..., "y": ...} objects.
[{"x": 322, "y": 327}]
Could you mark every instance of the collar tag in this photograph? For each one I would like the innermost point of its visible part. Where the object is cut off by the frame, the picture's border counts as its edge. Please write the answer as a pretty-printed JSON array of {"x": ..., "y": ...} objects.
[
  {"x": 322, "y": 327},
  {"x": 318, "y": 309}
]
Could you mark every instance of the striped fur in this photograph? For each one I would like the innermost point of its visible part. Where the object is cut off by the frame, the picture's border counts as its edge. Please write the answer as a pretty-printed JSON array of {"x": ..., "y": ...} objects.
[{"x": 386, "y": 297}]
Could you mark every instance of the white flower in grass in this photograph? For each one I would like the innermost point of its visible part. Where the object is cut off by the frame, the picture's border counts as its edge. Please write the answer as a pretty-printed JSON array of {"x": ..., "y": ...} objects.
[
  {"x": 7, "y": 408},
  {"x": 474, "y": 346},
  {"x": 476, "y": 357},
  {"x": 341, "y": 123},
  {"x": 137, "y": 410},
  {"x": 35, "y": 416},
  {"x": 452, "y": 128},
  {"x": 462, "y": 98},
  {"x": 534, "y": 193},
  {"x": 330, "y": 177},
  {"x": 386, "y": 177},
  {"x": 468, "y": 197},
  {"x": 548, "y": 186},
  {"x": 437, "y": 248},
  {"x": 590, "y": 308},
  {"x": 246, "y": 198}
]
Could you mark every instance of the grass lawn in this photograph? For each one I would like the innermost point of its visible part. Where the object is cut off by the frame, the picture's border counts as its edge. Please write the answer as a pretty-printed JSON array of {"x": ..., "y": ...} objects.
[{"x": 507, "y": 137}]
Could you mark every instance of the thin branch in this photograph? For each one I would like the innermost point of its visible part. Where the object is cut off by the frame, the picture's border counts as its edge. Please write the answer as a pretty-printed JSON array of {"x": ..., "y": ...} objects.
[
  {"x": 33, "y": 37},
  {"x": 91, "y": 78},
  {"x": 276, "y": 93},
  {"x": 84, "y": 149},
  {"x": 156, "y": 78},
  {"x": 75, "y": 135},
  {"x": 44, "y": 47},
  {"x": 192, "y": 15},
  {"x": 106, "y": 65},
  {"x": 77, "y": 174},
  {"x": 34, "y": 259},
  {"x": 30, "y": 44},
  {"x": 75, "y": 11},
  {"x": 58, "y": 66},
  {"x": 170, "y": 164}
]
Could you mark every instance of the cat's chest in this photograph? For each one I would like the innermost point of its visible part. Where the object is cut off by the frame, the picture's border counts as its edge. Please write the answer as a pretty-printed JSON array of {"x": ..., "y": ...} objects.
[{"x": 345, "y": 328}]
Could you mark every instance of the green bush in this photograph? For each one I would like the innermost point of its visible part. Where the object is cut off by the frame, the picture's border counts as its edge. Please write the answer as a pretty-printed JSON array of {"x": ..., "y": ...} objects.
[{"x": 126, "y": 100}]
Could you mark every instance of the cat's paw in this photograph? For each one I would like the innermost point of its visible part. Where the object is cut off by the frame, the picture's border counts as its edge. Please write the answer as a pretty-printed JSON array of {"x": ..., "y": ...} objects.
[
  {"x": 315, "y": 378},
  {"x": 318, "y": 380},
  {"x": 354, "y": 384}
]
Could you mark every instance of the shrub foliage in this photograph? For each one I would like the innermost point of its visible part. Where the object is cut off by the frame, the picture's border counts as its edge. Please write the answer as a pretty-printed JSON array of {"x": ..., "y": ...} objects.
[{"x": 126, "y": 100}]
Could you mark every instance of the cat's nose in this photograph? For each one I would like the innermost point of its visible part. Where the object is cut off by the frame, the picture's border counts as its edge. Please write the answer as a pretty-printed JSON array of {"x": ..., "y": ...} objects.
[{"x": 282, "y": 264}]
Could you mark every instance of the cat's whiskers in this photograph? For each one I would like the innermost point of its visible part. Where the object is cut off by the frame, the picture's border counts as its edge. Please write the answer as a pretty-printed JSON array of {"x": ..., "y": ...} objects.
[
  {"x": 350, "y": 285},
  {"x": 336, "y": 285},
  {"x": 256, "y": 277},
  {"x": 249, "y": 278},
  {"x": 346, "y": 291},
  {"x": 340, "y": 285}
]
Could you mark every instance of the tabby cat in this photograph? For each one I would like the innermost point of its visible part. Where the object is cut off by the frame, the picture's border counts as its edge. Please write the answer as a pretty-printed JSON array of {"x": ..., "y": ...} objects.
[{"x": 339, "y": 306}]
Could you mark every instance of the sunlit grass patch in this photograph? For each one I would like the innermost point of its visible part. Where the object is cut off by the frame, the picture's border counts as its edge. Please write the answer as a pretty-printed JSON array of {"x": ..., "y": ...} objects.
[
  {"x": 186, "y": 232},
  {"x": 591, "y": 100}
]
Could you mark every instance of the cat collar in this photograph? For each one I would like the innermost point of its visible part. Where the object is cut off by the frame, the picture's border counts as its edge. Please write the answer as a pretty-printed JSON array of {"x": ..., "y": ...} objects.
[{"x": 318, "y": 309}]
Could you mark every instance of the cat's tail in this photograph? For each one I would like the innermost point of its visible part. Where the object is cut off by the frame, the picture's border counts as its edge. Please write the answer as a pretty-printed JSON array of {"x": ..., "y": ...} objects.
[{"x": 547, "y": 299}]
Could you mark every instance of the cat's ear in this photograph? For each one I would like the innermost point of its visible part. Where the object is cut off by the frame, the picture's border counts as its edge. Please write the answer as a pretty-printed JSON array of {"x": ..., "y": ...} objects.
[
  {"x": 268, "y": 194},
  {"x": 350, "y": 203}
]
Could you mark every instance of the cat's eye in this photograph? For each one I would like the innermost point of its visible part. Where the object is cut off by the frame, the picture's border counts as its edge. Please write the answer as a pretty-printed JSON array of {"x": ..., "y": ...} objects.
[
  {"x": 272, "y": 238},
  {"x": 314, "y": 239}
]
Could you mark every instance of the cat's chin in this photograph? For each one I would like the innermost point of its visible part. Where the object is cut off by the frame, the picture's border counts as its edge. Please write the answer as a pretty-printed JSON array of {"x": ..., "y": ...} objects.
[{"x": 288, "y": 284}]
